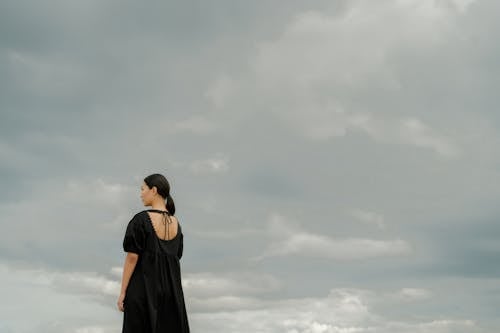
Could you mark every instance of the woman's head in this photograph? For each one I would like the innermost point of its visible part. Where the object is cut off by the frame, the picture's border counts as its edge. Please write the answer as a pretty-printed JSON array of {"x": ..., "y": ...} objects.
[{"x": 156, "y": 187}]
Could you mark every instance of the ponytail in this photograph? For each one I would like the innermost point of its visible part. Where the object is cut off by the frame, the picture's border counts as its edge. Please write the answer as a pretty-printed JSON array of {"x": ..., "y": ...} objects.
[{"x": 170, "y": 204}]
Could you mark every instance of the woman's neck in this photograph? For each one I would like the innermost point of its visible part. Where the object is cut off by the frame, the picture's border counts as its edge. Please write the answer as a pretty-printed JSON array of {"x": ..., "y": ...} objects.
[{"x": 159, "y": 207}]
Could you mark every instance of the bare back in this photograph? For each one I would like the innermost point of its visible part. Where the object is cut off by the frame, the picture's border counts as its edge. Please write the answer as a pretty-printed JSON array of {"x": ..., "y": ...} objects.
[{"x": 166, "y": 227}]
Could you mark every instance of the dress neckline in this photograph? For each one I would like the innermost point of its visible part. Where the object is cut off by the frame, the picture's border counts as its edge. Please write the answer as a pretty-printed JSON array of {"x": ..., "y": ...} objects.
[
  {"x": 154, "y": 230},
  {"x": 159, "y": 211}
]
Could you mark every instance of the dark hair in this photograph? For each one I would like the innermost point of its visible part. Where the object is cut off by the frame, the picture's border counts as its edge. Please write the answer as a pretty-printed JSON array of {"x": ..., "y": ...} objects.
[{"x": 163, "y": 188}]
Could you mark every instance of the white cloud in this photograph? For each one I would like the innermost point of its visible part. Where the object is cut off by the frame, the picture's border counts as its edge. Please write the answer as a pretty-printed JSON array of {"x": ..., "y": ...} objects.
[
  {"x": 90, "y": 283},
  {"x": 289, "y": 238},
  {"x": 434, "y": 326},
  {"x": 306, "y": 244},
  {"x": 369, "y": 217},
  {"x": 229, "y": 284},
  {"x": 97, "y": 190},
  {"x": 415, "y": 132},
  {"x": 411, "y": 294},
  {"x": 347, "y": 48},
  {"x": 116, "y": 271},
  {"x": 75, "y": 298},
  {"x": 216, "y": 164},
  {"x": 437, "y": 9},
  {"x": 220, "y": 90},
  {"x": 224, "y": 303},
  {"x": 195, "y": 124},
  {"x": 342, "y": 310},
  {"x": 411, "y": 131},
  {"x": 215, "y": 303},
  {"x": 304, "y": 75},
  {"x": 97, "y": 329}
]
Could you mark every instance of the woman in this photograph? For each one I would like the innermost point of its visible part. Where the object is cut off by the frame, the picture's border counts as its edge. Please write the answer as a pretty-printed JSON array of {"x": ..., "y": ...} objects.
[{"x": 152, "y": 298}]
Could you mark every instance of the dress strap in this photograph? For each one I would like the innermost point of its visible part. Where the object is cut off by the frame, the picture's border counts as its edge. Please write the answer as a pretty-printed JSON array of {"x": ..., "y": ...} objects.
[{"x": 159, "y": 211}]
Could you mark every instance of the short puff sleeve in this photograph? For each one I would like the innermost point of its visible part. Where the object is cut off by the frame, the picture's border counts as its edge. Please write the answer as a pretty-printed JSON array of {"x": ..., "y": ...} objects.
[{"x": 135, "y": 236}]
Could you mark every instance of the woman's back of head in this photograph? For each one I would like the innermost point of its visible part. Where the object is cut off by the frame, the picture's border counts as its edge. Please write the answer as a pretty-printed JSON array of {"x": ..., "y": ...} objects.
[{"x": 163, "y": 188}]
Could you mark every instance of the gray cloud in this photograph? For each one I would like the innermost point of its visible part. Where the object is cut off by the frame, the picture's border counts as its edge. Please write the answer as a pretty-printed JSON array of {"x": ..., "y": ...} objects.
[{"x": 367, "y": 128}]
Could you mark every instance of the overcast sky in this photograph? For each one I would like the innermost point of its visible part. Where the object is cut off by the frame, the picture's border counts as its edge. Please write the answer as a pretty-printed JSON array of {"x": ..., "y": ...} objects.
[{"x": 334, "y": 164}]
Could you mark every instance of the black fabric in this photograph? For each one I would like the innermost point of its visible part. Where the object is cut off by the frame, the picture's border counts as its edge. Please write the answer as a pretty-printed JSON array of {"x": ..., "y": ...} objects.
[{"x": 154, "y": 300}]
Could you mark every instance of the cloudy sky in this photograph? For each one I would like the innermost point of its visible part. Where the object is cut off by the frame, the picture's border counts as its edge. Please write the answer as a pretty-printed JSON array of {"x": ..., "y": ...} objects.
[{"x": 334, "y": 164}]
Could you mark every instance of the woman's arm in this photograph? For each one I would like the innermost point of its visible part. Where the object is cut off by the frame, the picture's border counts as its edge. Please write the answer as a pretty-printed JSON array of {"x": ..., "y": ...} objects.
[{"x": 128, "y": 269}]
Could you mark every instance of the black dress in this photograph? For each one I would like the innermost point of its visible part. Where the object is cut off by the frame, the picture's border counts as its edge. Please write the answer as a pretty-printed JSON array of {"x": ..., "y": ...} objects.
[{"x": 154, "y": 299}]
